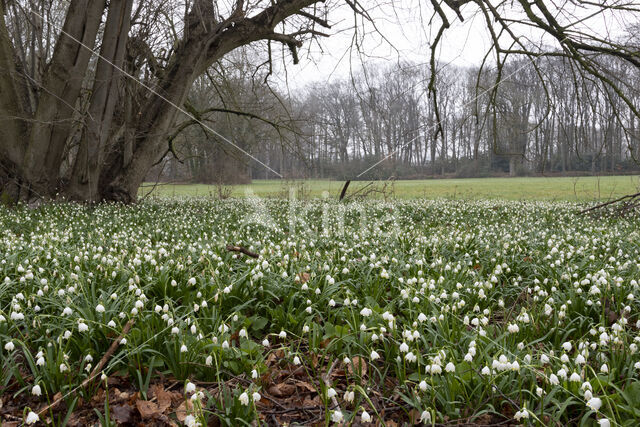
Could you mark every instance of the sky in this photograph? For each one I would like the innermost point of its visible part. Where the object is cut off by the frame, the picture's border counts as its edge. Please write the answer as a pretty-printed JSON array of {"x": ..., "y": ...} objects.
[{"x": 400, "y": 31}]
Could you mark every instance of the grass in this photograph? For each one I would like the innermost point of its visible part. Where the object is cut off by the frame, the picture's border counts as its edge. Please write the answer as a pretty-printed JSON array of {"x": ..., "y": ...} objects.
[{"x": 538, "y": 188}]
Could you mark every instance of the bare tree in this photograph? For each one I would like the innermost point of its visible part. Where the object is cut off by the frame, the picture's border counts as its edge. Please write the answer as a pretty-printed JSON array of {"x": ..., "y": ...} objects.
[{"x": 91, "y": 129}]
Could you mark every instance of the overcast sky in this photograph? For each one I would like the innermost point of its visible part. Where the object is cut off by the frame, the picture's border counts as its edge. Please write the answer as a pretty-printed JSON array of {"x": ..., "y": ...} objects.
[{"x": 402, "y": 32}]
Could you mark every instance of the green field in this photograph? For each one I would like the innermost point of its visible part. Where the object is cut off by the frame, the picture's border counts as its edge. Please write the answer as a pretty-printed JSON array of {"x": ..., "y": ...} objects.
[{"x": 539, "y": 188}]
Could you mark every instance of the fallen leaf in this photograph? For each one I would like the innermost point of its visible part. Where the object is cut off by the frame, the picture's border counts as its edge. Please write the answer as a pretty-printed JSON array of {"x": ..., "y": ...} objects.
[
  {"x": 414, "y": 416},
  {"x": 304, "y": 277},
  {"x": 183, "y": 409},
  {"x": 147, "y": 409},
  {"x": 121, "y": 414},
  {"x": 163, "y": 397},
  {"x": 282, "y": 390},
  {"x": 306, "y": 385},
  {"x": 357, "y": 366}
]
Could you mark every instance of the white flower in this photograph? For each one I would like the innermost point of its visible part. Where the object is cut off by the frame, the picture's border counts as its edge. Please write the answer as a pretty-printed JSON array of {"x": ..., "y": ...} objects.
[
  {"x": 100, "y": 308},
  {"x": 183, "y": 349},
  {"x": 374, "y": 355},
  {"x": 254, "y": 374},
  {"x": 365, "y": 417},
  {"x": 410, "y": 357},
  {"x": 604, "y": 369},
  {"x": 190, "y": 387},
  {"x": 282, "y": 334},
  {"x": 580, "y": 360},
  {"x": 256, "y": 396},
  {"x": 192, "y": 281},
  {"x": 36, "y": 390},
  {"x": 336, "y": 416},
  {"x": 123, "y": 341},
  {"x": 604, "y": 422},
  {"x": 423, "y": 385},
  {"x": 296, "y": 360},
  {"x": 521, "y": 414},
  {"x": 594, "y": 403},
  {"x": 190, "y": 421},
  {"x": 553, "y": 379},
  {"x": 331, "y": 392},
  {"x": 82, "y": 327},
  {"x": 574, "y": 377},
  {"x": 244, "y": 398},
  {"x": 9, "y": 346},
  {"x": 67, "y": 311},
  {"x": 366, "y": 312},
  {"x": 486, "y": 371},
  {"x": 265, "y": 342},
  {"x": 32, "y": 418},
  {"x": 349, "y": 396},
  {"x": 566, "y": 346},
  {"x": 425, "y": 417},
  {"x": 450, "y": 367},
  {"x": 404, "y": 347}
]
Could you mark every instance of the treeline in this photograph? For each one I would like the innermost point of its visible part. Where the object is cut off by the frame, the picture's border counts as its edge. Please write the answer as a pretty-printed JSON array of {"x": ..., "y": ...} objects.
[{"x": 543, "y": 118}]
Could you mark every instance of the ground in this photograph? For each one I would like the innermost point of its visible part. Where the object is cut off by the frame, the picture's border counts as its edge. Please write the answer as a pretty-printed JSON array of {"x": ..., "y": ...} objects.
[
  {"x": 253, "y": 311},
  {"x": 539, "y": 188}
]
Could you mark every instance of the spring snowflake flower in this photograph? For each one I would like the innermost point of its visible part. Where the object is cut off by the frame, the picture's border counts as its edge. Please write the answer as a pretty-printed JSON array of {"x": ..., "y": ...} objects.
[
  {"x": 374, "y": 355},
  {"x": 604, "y": 369},
  {"x": 296, "y": 360},
  {"x": 191, "y": 421},
  {"x": 522, "y": 414},
  {"x": 183, "y": 349},
  {"x": 83, "y": 327},
  {"x": 349, "y": 396},
  {"x": 423, "y": 385},
  {"x": 366, "y": 312},
  {"x": 244, "y": 398},
  {"x": 365, "y": 417},
  {"x": 566, "y": 346},
  {"x": 32, "y": 418},
  {"x": 337, "y": 416},
  {"x": 410, "y": 357},
  {"x": 67, "y": 311},
  {"x": 9, "y": 346},
  {"x": 256, "y": 396},
  {"x": 36, "y": 390},
  {"x": 604, "y": 422},
  {"x": 190, "y": 387},
  {"x": 331, "y": 392},
  {"x": 594, "y": 403},
  {"x": 282, "y": 334},
  {"x": 425, "y": 417},
  {"x": 450, "y": 367},
  {"x": 100, "y": 308},
  {"x": 404, "y": 347},
  {"x": 574, "y": 378},
  {"x": 265, "y": 342},
  {"x": 553, "y": 379}
]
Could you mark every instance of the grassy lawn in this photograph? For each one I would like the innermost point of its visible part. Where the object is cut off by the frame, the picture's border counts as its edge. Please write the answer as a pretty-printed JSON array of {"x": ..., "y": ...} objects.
[{"x": 538, "y": 188}]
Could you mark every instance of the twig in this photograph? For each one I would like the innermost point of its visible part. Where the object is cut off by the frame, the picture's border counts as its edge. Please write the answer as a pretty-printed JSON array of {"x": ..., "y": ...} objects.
[
  {"x": 96, "y": 370},
  {"x": 240, "y": 249},
  {"x": 325, "y": 379},
  {"x": 344, "y": 190},
  {"x": 602, "y": 205}
]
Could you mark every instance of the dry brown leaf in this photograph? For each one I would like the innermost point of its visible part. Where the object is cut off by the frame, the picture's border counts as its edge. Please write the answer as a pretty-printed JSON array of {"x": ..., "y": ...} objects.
[
  {"x": 121, "y": 414},
  {"x": 390, "y": 423},
  {"x": 147, "y": 409},
  {"x": 304, "y": 277},
  {"x": 414, "y": 416},
  {"x": 164, "y": 399},
  {"x": 282, "y": 390},
  {"x": 183, "y": 409},
  {"x": 304, "y": 384},
  {"x": 357, "y": 366}
]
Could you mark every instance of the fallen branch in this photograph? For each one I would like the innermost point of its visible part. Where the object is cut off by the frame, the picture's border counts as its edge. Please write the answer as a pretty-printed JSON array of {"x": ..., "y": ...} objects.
[
  {"x": 242, "y": 250},
  {"x": 344, "y": 190},
  {"x": 96, "y": 371},
  {"x": 627, "y": 199}
]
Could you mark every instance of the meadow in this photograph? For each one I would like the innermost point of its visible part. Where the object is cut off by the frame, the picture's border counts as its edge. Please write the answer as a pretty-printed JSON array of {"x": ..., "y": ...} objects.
[
  {"x": 253, "y": 311},
  {"x": 585, "y": 188}
]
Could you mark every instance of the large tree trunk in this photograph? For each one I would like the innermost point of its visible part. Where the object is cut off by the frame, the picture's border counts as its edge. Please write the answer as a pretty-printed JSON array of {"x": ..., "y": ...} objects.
[{"x": 121, "y": 127}]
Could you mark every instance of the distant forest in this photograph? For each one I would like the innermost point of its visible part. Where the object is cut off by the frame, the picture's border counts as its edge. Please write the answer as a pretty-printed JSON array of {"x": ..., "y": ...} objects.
[{"x": 336, "y": 131}]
